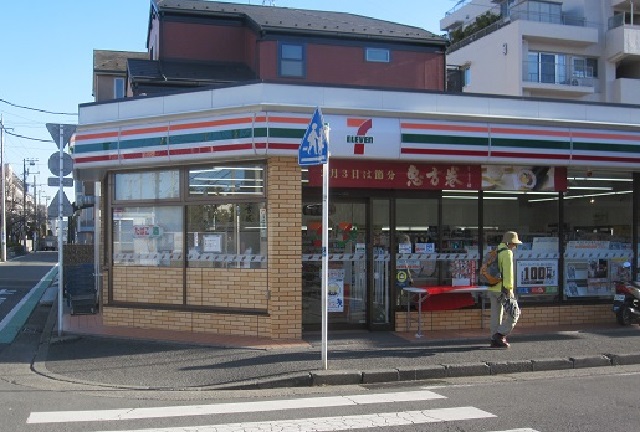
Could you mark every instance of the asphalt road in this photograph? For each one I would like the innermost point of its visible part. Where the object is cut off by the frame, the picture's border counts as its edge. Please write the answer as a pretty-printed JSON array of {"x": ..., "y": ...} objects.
[
  {"x": 17, "y": 278},
  {"x": 586, "y": 400}
]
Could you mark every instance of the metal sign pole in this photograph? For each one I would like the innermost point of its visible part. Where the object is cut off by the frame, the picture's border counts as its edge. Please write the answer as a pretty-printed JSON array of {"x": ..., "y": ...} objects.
[
  {"x": 325, "y": 261},
  {"x": 60, "y": 267}
]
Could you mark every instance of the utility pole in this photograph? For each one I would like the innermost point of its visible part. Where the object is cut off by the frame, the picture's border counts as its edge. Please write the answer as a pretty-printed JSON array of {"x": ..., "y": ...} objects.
[
  {"x": 32, "y": 162},
  {"x": 4, "y": 199}
]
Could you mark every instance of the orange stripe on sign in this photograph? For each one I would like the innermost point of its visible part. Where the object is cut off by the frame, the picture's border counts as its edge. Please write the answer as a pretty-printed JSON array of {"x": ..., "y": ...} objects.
[
  {"x": 355, "y": 122},
  {"x": 212, "y": 123},
  {"x": 294, "y": 120},
  {"x": 91, "y": 136},
  {"x": 514, "y": 131},
  {"x": 447, "y": 127},
  {"x": 626, "y": 137},
  {"x": 144, "y": 130}
]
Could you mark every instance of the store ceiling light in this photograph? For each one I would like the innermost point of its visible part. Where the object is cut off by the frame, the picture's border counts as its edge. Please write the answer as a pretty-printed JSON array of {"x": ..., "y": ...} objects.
[{"x": 602, "y": 188}]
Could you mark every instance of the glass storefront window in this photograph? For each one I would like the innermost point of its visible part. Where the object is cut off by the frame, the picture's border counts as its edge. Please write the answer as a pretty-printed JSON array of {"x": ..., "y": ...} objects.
[
  {"x": 534, "y": 216},
  {"x": 598, "y": 216},
  {"x": 227, "y": 180},
  {"x": 147, "y": 236},
  {"x": 227, "y": 235},
  {"x": 148, "y": 185}
]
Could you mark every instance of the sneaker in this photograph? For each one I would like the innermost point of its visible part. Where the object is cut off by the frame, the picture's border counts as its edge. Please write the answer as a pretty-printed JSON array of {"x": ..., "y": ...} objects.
[
  {"x": 499, "y": 341},
  {"x": 495, "y": 344}
]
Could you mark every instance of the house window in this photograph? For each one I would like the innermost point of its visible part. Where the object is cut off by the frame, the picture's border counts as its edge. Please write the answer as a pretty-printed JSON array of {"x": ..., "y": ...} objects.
[
  {"x": 380, "y": 55},
  {"x": 118, "y": 88},
  {"x": 467, "y": 76},
  {"x": 292, "y": 60},
  {"x": 547, "y": 68}
]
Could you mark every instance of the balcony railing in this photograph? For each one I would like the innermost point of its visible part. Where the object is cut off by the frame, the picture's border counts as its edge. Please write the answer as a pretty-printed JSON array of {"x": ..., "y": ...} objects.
[
  {"x": 516, "y": 15},
  {"x": 558, "y": 74},
  {"x": 561, "y": 19}
]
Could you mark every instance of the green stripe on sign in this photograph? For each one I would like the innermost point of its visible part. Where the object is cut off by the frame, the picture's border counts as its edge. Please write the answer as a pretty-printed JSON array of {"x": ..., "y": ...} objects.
[
  {"x": 203, "y": 137},
  {"x": 96, "y": 147},
  {"x": 607, "y": 147},
  {"x": 443, "y": 139},
  {"x": 286, "y": 133},
  {"x": 530, "y": 144}
]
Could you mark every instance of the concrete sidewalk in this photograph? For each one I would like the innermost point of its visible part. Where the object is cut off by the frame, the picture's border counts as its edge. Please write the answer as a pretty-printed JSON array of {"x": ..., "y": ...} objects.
[{"x": 353, "y": 358}]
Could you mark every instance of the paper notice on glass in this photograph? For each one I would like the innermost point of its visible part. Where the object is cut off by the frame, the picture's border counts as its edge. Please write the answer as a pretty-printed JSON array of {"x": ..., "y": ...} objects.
[{"x": 335, "y": 288}]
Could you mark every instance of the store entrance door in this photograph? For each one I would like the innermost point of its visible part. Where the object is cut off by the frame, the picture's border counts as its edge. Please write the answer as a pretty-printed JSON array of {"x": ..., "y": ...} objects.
[{"x": 348, "y": 281}]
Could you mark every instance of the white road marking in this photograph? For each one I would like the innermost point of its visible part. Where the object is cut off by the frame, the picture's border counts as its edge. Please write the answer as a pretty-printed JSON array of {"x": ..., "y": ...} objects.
[
  {"x": 232, "y": 407},
  {"x": 519, "y": 430},
  {"x": 339, "y": 423}
]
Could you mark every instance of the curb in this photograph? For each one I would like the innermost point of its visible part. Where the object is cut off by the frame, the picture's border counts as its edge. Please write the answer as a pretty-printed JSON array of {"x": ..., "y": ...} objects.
[{"x": 434, "y": 372}]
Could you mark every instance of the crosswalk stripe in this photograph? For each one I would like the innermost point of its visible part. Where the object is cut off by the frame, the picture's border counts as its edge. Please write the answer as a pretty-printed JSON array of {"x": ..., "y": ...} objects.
[
  {"x": 339, "y": 423},
  {"x": 232, "y": 407},
  {"x": 519, "y": 430}
]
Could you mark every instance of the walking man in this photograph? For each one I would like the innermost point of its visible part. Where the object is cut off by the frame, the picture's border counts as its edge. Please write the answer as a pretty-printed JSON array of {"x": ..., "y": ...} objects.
[{"x": 502, "y": 323}]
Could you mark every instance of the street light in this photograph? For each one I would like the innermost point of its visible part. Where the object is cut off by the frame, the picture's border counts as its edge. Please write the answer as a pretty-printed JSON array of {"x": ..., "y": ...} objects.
[{"x": 32, "y": 162}]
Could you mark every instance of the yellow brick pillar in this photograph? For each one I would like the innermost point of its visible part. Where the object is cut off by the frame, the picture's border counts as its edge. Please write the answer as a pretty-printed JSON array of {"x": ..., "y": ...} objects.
[{"x": 284, "y": 218}]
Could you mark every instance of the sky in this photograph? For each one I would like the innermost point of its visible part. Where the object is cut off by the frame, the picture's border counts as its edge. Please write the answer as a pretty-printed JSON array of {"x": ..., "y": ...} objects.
[{"x": 46, "y": 61}]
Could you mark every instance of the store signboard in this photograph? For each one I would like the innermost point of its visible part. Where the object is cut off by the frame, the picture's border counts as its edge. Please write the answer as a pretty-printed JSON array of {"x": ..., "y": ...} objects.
[
  {"x": 537, "y": 276},
  {"x": 370, "y": 174},
  {"x": 524, "y": 178},
  {"x": 408, "y": 176}
]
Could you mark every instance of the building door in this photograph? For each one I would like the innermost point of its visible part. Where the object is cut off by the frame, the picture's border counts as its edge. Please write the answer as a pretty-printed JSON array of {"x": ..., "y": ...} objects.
[{"x": 348, "y": 286}]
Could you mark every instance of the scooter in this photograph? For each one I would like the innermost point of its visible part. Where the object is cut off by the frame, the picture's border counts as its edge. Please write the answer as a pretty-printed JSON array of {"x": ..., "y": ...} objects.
[{"x": 626, "y": 302}]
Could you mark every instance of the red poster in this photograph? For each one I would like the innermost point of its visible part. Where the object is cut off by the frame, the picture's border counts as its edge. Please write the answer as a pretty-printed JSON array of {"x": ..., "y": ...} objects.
[{"x": 385, "y": 175}]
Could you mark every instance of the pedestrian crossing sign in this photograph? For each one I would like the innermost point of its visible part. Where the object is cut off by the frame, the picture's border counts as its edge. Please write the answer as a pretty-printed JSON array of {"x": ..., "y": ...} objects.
[{"x": 314, "y": 148}]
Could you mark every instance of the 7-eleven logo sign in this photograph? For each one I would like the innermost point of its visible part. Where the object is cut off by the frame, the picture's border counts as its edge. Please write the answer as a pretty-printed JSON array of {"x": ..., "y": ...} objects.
[{"x": 360, "y": 138}]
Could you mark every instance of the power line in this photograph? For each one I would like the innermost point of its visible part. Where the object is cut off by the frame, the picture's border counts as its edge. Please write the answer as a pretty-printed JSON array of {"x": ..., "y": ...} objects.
[
  {"x": 36, "y": 109},
  {"x": 26, "y": 137}
]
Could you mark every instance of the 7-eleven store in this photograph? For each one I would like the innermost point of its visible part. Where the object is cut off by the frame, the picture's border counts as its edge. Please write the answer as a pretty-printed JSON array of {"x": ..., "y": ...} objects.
[{"x": 208, "y": 224}]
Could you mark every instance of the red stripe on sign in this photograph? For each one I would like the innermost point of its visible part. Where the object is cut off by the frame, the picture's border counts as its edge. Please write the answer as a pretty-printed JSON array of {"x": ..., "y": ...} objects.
[
  {"x": 232, "y": 147},
  {"x": 443, "y": 152},
  {"x": 186, "y": 151},
  {"x": 600, "y": 158},
  {"x": 283, "y": 146},
  {"x": 530, "y": 155},
  {"x": 90, "y": 159},
  {"x": 142, "y": 155}
]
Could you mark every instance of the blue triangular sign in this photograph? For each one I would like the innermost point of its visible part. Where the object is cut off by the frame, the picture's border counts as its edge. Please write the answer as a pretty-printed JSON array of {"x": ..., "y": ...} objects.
[{"x": 314, "y": 148}]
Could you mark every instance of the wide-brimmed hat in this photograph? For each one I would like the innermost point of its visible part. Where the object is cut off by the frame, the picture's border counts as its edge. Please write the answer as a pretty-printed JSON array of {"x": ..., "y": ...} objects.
[{"x": 511, "y": 237}]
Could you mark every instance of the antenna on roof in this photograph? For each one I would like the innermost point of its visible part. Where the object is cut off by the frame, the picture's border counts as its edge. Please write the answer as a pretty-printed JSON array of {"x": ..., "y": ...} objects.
[{"x": 268, "y": 2}]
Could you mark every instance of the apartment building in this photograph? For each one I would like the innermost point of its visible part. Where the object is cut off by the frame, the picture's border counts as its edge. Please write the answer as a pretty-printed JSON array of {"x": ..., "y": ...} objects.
[{"x": 581, "y": 50}]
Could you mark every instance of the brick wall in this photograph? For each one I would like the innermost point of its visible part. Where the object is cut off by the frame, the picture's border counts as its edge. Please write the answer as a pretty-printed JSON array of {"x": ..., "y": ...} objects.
[
  {"x": 467, "y": 319},
  {"x": 284, "y": 213},
  {"x": 230, "y": 288},
  {"x": 148, "y": 285}
]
